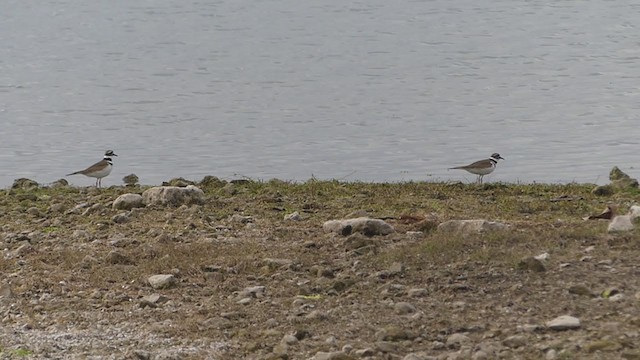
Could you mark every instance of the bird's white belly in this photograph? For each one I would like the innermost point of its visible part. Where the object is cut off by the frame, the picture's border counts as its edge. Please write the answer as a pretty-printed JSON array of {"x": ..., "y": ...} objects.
[
  {"x": 481, "y": 171},
  {"x": 101, "y": 173}
]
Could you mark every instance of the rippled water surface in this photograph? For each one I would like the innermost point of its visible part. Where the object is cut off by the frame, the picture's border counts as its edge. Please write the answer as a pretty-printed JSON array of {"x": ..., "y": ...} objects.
[{"x": 371, "y": 90}]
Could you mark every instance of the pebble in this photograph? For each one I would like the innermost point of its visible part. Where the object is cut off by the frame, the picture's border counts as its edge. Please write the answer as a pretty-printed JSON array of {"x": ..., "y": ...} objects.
[
  {"x": 114, "y": 257},
  {"x": 387, "y": 346},
  {"x": 295, "y": 216},
  {"x": 404, "y": 308},
  {"x": 471, "y": 226},
  {"x": 581, "y": 290},
  {"x": 457, "y": 339},
  {"x": 244, "y": 301},
  {"x": 289, "y": 339},
  {"x": 367, "y": 352},
  {"x": 418, "y": 292},
  {"x": 153, "y": 300},
  {"x": 252, "y": 291},
  {"x": 336, "y": 355},
  {"x": 162, "y": 281},
  {"x": 515, "y": 341},
  {"x": 531, "y": 263},
  {"x": 564, "y": 322}
]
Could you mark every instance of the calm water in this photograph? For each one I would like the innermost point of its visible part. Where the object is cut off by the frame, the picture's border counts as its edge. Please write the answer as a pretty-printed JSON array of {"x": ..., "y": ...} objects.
[{"x": 369, "y": 90}]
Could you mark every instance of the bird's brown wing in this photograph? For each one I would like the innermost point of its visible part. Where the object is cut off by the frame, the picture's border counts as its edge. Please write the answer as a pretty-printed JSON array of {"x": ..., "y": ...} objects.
[
  {"x": 93, "y": 168},
  {"x": 480, "y": 164}
]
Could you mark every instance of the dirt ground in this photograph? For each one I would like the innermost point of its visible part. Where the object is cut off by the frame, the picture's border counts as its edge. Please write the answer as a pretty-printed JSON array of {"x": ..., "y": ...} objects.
[{"x": 243, "y": 282}]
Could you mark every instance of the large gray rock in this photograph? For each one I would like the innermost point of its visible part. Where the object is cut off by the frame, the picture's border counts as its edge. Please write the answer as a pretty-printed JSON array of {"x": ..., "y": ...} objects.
[
  {"x": 620, "y": 223},
  {"x": 128, "y": 202},
  {"x": 625, "y": 222},
  {"x": 365, "y": 225},
  {"x": 471, "y": 226},
  {"x": 173, "y": 195}
]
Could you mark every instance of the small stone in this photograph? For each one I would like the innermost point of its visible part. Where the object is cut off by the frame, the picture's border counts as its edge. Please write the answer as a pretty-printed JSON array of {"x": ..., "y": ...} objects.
[
  {"x": 153, "y": 300},
  {"x": 24, "y": 183},
  {"x": 542, "y": 257},
  {"x": 418, "y": 292},
  {"x": 581, "y": 290},
  {"x": 34, "y": 211},
  {"x": 162, "y": 281},
  {"x": 564, "y": 322},
  {"x": 602, "y": 345},
  {"x": 515, "y": 341},
  {"x": 301, "y": 334},
  {"x": 393, "y": 333},
  {"x": 387, "y": 346},
  {"x": 616, "y": 297},
  {"x": 421, "y": 355},
  {"x": 404, "y": 308},
  {"x": 532, "y": 264},
  {"x": 114, "y": 257},
  {"x": 457, "y": 339},
  {"x": 252, "y": 292},
  {"x": 365, "y": 225},
  {"x": 128, "y": 202},
  {"x": 60, "y": 183},
  {"x": 396, "y": 268},
  {"x": 242, "y": 219},
  {"x": 244, "y": 301},
  {"x": 120, "y": 218},
  {"x": 603, "y": 190},
  {"x": 130, "y": 180},
  {"x": 471, "y": 226},
  {"x": 367, "y": 352},
  {"x": 289, "y": 339},
  {"x": 631, "y": 355},
  {"x": 173, "y": 195},
  {"x": 142, "y": 354},
  {"x": 336, "y": 355},
  {"x": 295, "y": 216}
]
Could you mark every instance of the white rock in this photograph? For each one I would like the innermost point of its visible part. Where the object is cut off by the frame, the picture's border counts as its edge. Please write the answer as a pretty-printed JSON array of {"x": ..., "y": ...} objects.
[
  {"x": 173, "y": 195},
  {"x": 620, "y": 223},
  {"x": 634, "y": 212},
  {"x": 616, "y": 297},
  {"x": 162, "y": 281},
  {"x": 542, "y": 257},
  {"x": 128, "y": 202},
  {"x": 365, "y": 225},
  {"x": 564, "y": 322},
  {"x": 295, "y": 216},
  {"x": 471, "y": 226}
]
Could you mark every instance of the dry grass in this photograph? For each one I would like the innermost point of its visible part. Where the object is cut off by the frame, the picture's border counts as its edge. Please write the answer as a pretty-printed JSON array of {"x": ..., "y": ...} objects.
[{"x": 215, "y": 256}]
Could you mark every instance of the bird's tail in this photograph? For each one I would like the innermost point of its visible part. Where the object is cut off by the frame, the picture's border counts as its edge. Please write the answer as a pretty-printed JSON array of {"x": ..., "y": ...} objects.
[{"x": 74, "y": 173}]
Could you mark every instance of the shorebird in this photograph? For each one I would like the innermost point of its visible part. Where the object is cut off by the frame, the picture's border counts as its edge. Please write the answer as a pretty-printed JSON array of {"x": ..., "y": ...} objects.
[
  {"x": 100, "y": 169},
  {"x": 481, "y": 167}
]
